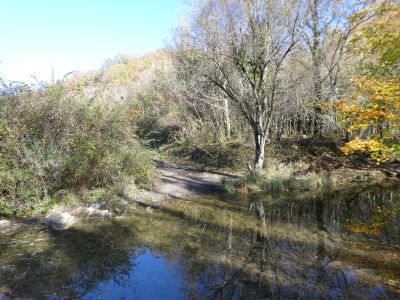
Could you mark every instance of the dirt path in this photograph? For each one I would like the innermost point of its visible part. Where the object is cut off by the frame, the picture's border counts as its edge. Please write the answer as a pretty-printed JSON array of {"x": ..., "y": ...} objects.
[{"x": 179, "y": 182}]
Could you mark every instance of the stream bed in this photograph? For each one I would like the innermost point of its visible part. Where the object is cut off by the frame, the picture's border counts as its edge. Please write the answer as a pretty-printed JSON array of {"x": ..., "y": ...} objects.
[{"x": 339, "y": 245}]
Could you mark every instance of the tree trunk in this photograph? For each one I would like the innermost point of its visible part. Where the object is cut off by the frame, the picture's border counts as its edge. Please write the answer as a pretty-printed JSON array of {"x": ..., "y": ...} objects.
[
  {"x": 227, "y": 119},
  {"x": 317, "y": 77},
  {"x": 259, "y": 151},
  {"x": 317, "y": 132}
]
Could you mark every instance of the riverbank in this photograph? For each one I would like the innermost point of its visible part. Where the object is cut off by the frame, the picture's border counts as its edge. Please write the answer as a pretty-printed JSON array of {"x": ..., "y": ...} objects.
[
  {"x": 176, "y": 183},
  {"x": 311, "y": 165},
  {"x": 286, "y": 179},
  {"x": 172, "y": 182}
]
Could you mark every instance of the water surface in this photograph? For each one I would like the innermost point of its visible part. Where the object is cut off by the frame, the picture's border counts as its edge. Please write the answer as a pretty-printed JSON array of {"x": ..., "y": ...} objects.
[{"x": 337, "y": 245}]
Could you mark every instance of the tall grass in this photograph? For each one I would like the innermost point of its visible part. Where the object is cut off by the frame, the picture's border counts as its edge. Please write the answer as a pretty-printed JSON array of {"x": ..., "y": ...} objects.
[{"x": 280, "y": 177}]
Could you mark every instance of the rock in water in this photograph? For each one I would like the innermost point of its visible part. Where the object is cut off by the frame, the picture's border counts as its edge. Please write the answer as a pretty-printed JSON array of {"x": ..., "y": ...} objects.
[{"x": 60, "y": 220}]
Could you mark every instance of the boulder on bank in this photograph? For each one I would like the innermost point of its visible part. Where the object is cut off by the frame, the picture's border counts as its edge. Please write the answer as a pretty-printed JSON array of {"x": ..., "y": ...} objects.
[
  {"x": 59, "y": 220},
  {"x": 5, "y": 223},
  {"x": 95, "y": 210},
  {"x": 7, "y": 226}
]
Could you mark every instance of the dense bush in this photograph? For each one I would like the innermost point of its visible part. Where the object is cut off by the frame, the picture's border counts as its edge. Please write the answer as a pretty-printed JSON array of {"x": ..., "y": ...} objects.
[
  {"x": 231, "y": 155},
  {"x": 158, "y": 120},
  {"x": 55, "y": 138}
]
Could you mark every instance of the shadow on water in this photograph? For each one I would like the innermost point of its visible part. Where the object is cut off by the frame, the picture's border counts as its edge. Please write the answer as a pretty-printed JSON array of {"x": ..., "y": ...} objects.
[{"x": 326, "y": 246}]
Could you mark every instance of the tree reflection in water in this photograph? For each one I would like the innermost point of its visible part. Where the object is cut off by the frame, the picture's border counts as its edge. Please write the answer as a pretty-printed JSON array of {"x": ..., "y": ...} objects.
[
  {"x": 260, "y": 247},
  {"x": 320, "y": 262}
]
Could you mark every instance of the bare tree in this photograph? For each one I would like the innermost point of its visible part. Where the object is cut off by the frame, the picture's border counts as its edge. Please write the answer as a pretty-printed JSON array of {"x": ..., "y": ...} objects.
[
  {"x": 240, "y": 48},
  {"x": 327, "y": 31}
]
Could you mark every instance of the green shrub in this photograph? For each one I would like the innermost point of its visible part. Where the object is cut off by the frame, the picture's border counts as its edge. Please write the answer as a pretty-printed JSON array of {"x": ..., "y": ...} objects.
[{"x": 56, "y": 138}]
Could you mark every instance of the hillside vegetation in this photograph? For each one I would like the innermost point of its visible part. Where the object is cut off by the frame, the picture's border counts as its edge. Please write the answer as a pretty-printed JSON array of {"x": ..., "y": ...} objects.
[
  {"x": 280, "y": 92},
  {"x": 57, "y": 140}
]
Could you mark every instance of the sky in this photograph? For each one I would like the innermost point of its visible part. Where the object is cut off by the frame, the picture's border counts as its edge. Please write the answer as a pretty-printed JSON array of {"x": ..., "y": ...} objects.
[{"x": 45, "y": 37}]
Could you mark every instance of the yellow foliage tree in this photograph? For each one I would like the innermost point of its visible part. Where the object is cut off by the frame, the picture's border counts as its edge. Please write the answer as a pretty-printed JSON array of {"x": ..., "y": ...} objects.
[{"x": 371, "y": 112}]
